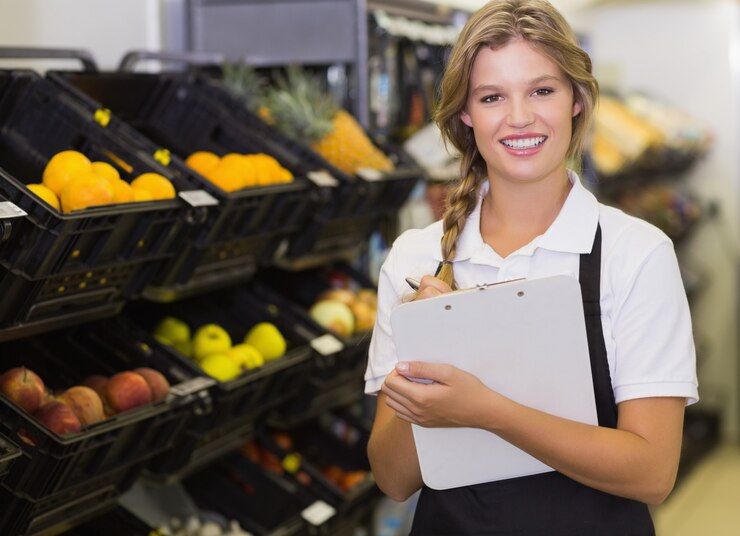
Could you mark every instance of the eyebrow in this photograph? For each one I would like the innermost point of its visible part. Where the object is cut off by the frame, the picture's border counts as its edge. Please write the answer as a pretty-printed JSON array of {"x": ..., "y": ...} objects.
[{"x": 533, "y": 82}]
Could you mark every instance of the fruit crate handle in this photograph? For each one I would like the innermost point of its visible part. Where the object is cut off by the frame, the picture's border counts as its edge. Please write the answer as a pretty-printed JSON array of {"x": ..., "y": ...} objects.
[
  {"x": 130, "y": 59},
  {"x": 83, "y": 56}
]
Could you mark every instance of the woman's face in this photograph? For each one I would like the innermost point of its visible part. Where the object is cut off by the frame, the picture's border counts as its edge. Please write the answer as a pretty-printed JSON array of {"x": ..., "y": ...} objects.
[{"x": 520, "y": 107}]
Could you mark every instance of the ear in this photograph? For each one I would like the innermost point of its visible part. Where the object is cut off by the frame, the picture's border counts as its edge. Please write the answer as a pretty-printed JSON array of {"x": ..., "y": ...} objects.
[
  {"x": 577, "y": 108},
  {"x": 465, "y": 118}
]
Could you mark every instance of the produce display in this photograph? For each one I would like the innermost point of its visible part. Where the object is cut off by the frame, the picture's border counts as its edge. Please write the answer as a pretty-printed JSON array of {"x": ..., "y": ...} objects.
[
  {"x": 640, "y": 132},
  {"x": 299, "y": 106},
  {"x": 194, "y": 526},
  {"x": 69, "y": 411},
  {"x": 212, "y": 349},
  {"x": 667, "y": 208},
  {"x": 234, "y": 171},
  {"x": 345, "y": 312},
  {"x": 71, "y": 182}
]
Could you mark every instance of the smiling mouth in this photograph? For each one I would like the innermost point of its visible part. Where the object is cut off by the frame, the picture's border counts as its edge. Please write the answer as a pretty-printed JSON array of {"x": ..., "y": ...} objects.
[{"x": 525, "y": 143}]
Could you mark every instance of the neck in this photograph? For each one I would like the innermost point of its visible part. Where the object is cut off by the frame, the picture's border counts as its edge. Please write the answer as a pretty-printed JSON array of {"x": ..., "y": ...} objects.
[{"x": 524, "y": 208}]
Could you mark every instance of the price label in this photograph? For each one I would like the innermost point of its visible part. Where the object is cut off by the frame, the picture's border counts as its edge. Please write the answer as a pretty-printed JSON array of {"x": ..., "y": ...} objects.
[
  {"x": 327, "y": 344},
  {"x": 322, "y": 178},
  {"x": 318, "y": 513},
  {"x": 102, "y": 116},
  {"x": 370, "y": 174},
  {"x": 192, "y": 386},
  {"x": 9, "y": 210},
  {"x": 291, "y": 463},
  {"x": 163, "y": 156},
  {"x": 198, "y": 198}
]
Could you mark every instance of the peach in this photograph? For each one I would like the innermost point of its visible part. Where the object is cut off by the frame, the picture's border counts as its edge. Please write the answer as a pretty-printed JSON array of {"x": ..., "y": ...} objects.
[
  {"x": 157, "y": 382},
  {"x": 59, "y": 418},
  {"x": 127, "y": 390},
  {"x": 97, "y": 383},
  {"x": 23, "y": 387},
  {"x": 85, "y": 403}
]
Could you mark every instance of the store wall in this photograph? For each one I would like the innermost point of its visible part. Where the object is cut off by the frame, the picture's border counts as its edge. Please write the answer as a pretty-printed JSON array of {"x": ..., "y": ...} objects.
[
  {"x": 689, "y": 55},
  {"x": 108, "y": 28}
]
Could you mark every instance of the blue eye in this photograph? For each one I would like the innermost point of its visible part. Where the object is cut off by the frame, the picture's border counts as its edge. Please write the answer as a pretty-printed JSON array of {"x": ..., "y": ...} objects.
[{"x": 544, "y": 91}]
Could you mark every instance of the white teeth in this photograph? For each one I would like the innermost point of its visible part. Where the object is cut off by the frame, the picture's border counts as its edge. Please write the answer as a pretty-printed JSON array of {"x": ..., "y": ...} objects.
[{"x": 526, "y": 143}]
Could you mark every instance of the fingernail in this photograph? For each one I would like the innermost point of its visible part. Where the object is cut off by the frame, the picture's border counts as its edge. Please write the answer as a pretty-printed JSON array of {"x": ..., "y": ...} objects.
[{"x": 403, "y": 366}]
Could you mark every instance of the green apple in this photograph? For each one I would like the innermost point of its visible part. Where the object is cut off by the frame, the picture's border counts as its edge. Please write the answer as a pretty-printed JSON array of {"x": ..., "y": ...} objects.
[
  {"x": 185, "y": 348},
  {"x": 210, "y": 339},
  {"x": 246, "y": 356},
  {"x": 220, "y": 366},
  {"x": 173, "y": 329}
]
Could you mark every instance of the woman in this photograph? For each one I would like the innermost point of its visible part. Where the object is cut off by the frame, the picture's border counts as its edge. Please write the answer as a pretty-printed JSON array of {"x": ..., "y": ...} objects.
[{"x": 517, "y": 100}]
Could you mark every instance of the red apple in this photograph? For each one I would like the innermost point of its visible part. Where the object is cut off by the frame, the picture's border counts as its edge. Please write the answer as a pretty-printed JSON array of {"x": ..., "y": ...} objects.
[
  {"x": 97, "y": 383},
  {"x": 23, "y": 387},
  {"x": 157, "y": 382},
  {"x": 59, "y": 418},
  {"x": 127, "y": 390},
  {"x": 85, "y": 403}
]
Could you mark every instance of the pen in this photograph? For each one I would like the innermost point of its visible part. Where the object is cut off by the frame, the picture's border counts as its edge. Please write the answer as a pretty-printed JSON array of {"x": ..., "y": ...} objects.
[{"x": 413, "y": 283}]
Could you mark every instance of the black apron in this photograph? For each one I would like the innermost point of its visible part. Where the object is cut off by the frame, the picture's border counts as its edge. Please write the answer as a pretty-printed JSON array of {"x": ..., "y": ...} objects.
[{"x": 549, "y": 503}]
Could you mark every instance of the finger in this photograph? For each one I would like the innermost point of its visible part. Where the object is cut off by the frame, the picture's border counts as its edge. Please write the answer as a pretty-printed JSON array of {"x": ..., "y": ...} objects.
[
  {"x": 427, "y": 292},
  {"x": 431, "y": 281},
  {"x": 407, "y": 419},
  {"x": 400, "y": 399},
  {"x": 400, "y": 410},
  {"x": 440, "y": 373}
]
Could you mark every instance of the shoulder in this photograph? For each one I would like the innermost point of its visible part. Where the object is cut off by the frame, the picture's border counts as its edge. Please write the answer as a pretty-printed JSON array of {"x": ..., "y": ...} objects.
[
  {"x": 417, "y": 245},
  {"x": 628, "y": 243}
]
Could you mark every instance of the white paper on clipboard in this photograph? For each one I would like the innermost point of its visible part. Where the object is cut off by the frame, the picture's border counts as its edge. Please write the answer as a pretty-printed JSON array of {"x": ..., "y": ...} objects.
[{"x": 525, "y": 339}]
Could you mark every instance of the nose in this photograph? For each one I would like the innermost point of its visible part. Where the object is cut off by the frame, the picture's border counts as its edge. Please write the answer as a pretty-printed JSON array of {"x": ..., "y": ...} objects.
[{"x": 520, "y": 114}]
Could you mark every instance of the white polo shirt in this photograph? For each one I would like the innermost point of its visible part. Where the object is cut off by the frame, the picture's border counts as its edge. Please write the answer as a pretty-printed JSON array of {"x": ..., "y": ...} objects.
[{"x": 644, "y": 310}]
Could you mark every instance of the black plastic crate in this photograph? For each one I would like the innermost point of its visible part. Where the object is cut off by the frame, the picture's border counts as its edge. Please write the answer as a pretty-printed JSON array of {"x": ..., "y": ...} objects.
[
  {"x": 66, "y": 509},
  {"x": 336, "y": 379},
  {"x": 9, "y": 453},
  {"x": 38, "y": 120},
  {"x": 239, "y": 404},
  {"x": 333, "y": 444},
  {"x": 117, "y": 522},
  {"x": 177, "y": 112},
  {"x": 262, "y": 502},
  {"x": 52, "y": 464}
]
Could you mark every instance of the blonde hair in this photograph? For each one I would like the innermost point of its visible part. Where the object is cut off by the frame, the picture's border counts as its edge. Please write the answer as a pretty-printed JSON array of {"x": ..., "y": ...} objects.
[{"x": 493, "y": 26}]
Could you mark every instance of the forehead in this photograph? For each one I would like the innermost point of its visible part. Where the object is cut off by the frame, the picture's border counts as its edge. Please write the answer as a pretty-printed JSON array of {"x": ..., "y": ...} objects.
[{"x": 515, "y": 63}]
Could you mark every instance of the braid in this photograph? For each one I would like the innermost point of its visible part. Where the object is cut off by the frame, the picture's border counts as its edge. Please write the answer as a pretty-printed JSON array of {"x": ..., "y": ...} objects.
[{"x": 461, "y": 202}]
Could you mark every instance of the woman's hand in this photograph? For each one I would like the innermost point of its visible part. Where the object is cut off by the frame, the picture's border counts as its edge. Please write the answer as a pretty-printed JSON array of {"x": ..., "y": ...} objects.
[
  {"x": 456, "y": 398},
  {"x": 430, "y": 286}
]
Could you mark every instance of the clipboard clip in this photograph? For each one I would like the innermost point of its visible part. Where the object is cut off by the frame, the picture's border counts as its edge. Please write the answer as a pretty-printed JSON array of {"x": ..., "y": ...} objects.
[{"x": 484, "y": 286}]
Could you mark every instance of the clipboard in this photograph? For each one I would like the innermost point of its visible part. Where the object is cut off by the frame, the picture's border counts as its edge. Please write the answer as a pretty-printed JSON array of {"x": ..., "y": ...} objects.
[{"x": 525, "y": 339}]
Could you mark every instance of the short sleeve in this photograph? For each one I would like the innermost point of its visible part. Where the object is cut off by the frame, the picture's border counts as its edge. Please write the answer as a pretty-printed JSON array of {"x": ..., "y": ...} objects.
[
  {"x": 655, "y": 355},
  {"x": 382, "y": 356}
]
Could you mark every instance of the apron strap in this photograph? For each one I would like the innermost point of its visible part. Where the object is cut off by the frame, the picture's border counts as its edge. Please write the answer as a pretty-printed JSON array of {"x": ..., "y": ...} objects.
[{"x": 590, "y": 281}]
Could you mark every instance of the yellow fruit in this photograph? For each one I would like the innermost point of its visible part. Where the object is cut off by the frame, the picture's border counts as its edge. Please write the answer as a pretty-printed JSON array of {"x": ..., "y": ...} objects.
[
  {"x": 203, "y": 161},
  {"x": 210, "y": 339},
  {"x": 44, "y": 193},
  {"x": 220, "y": 367},
  {"x": 173, "y": 328},
  {"x": 229, "y": 176},
  {"x": 141, "y": 196},
  {"x": 122, "y": 192},
  {"x": 246, "y": 356},
  {"x": 104, "y": 169},
  {"x": 87, "y": 190},
  {"x": 160, "y": 187},
  {"x": 62, "y": 168},
  {"x": 268, "y": 340}
]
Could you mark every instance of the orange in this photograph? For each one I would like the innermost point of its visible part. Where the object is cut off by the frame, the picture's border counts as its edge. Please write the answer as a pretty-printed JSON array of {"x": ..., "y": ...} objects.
[
  {"x": 160, "y": 187},
  {"x": 104, "y": 169},
  {"x": 44, "y": 193},
  {"x": 141, "y": 195},
  {"x": 87, "y": 190},
  {"x": 122, "y": 192},
  {"x": 203, "y": 161},
  {"x": 229, "y": 175},
  {"x": 62, "y": 168}
]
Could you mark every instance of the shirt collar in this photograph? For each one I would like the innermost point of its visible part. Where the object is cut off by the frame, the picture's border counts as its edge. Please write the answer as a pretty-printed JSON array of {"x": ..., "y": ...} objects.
[{"x": 572, "y": 231}]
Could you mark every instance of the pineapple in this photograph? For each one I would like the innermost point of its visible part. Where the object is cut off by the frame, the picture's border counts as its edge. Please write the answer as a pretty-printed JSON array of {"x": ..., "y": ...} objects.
[
  {"x": 246, "y": 85},
  {"x": 300, "y": 108}
]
